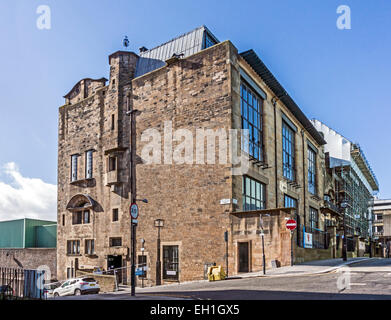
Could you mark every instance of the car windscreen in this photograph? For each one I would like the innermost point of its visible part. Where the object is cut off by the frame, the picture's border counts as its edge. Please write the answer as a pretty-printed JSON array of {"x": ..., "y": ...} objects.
[{"x": 89, "y": 280}]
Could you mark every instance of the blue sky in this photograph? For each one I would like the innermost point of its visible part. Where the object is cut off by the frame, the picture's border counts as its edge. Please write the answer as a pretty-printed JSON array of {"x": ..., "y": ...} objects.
[{"x": 339, "y": 77}]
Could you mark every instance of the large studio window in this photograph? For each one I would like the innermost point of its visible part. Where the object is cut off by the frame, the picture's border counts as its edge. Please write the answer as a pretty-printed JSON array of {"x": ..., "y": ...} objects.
[
  {"x": 311, "y": 171},
  {"x": 254, "y": 194},
  {"x": 251, "y": 106},
  {"x": 288, "y": 152}
]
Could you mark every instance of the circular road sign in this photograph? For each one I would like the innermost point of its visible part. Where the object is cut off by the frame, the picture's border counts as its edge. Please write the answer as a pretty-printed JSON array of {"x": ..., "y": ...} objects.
[
  {"x": 134, "y": 211},
  {"x": 291, "y": 224}
]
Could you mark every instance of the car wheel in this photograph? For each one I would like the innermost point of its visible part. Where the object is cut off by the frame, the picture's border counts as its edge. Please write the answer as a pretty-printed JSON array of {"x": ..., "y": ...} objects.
[
  {"x": 77, "y": 292},
  {"x": 56, "y": 295}
]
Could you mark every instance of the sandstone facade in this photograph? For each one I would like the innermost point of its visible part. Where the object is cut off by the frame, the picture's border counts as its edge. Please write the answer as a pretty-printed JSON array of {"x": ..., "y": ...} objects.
[{"x": 198, "y": 91}]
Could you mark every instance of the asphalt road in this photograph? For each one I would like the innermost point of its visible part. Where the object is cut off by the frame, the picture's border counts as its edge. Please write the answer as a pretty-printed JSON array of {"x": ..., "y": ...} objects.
[{"x": 368, "y": 280}]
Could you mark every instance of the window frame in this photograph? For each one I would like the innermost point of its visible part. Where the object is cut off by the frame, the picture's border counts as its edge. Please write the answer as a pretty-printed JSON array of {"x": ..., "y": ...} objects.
[
  {"x": 288, "y": 152},
  {"x": 74, "y": 167},
  {"x": 311, "y": 170},
  {"x": 115, "y": 214},
  {"x": 89, "y": 165},
  {"x": 252, "y": 195},
  {"x": 314, "y": 213},
  {"x": 111, "y": 242},
  {"x": 254, "y": 146},
  {"x": 73, "y": 247},
  {"x": 89, "y": 247}
]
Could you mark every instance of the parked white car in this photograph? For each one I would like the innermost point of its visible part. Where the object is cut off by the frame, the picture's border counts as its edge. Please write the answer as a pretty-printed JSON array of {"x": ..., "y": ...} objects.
[
  {"x": 50, "y": 287},
  {"x": 77, "y": 286}
]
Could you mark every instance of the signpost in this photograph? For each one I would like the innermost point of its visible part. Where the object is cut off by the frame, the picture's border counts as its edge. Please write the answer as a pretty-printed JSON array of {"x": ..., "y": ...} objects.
[
  {"x": 291, "y": 225},
  {"x": 134, "y": 215}
]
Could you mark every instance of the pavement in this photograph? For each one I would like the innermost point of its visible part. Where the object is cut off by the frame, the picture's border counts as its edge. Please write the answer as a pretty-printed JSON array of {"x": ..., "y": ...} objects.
[{"x": 307, "y": 268}]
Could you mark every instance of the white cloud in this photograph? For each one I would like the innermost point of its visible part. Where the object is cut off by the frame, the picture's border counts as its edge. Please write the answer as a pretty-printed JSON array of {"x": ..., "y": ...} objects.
[{"x": 26, "y": 197}]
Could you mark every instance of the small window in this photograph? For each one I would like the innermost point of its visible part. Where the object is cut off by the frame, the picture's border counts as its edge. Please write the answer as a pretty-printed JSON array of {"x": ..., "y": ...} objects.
[
  {"x": 73, "y": 247},
  {"x": 74, "y": 168},
  {"x": 77, "y": 217},
  {"x": 112, "y": 164},
  {"x": 115, "y": 215},
  {"x": 112, "y": 122},
  {"x": 63, "y": 219},
  {"x": 115, "y": 242},
  {"x": 314, "y": 218},
  {"x": 89, "y": 164},
  {"x": 86, "y": 215},
  {"x": 90, "y": 247}
]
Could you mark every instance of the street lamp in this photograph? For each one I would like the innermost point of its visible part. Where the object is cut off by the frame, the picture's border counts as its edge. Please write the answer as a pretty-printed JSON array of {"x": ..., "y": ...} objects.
[
  {"x": 262, "y": 234},
  {"x": 159, "y": 223},
  {"x": 344, "y": 205}
]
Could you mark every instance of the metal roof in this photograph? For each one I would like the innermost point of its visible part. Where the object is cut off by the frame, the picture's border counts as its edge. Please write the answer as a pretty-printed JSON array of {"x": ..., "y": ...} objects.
[
  {"x": 259, "y": 67},
  {"x": 186, "y": 44}
]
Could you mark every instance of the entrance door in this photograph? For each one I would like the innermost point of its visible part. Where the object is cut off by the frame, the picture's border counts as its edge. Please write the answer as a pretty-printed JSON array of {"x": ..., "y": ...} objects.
[
  {"x": 171, "y": 263},
  {"x": 115, "y": 262},
  {"x": 243, "y": 257}
]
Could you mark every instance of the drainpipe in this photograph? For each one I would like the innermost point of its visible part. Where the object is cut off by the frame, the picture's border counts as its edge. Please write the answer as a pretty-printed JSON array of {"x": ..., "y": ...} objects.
[
  {"x": 274, "y": 102},
  {"x": 304, "y": 179}
]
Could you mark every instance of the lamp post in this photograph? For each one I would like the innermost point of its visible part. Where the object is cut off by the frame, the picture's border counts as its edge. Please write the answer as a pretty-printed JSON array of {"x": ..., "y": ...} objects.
[
  {"x": 344, "y": 205},
  {"x": 159, "y": 223}
]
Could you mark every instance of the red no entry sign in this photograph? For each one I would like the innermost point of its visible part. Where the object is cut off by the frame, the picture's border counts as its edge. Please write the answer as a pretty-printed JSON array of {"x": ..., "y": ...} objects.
[{"x": 291, "y": 224}]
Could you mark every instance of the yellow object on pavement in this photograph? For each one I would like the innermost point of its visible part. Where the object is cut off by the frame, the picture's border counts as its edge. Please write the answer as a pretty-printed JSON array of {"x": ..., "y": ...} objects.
[{"x": 216, "y": 273}]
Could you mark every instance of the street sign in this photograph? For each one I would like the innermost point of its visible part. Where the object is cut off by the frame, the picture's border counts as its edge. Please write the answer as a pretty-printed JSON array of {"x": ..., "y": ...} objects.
[
  {"x": 291, "y": 224},
  {"x": 134, "y": 221},
  {"x": 134, "y": 211}
]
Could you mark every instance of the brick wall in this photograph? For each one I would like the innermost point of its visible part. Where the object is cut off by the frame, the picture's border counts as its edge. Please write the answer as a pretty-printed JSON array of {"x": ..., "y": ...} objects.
[{"x": 30, "y": 259}]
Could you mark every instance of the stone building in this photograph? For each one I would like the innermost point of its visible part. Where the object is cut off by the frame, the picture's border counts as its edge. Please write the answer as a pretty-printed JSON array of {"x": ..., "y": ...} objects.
[
  {"x": 381, "y": 211},
  {"x": 188, "y": 85}
]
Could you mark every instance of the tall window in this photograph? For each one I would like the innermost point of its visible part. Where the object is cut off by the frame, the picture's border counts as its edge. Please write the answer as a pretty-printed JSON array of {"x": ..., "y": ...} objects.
[
  {"x": 254, "y": 194},
  {"x": 115, "y": 215},
  {"x": 311, "y": 171},
  {"x": 288, "y": 152},
  {"x": 73, "y": 247},
  {"x": 314, "y": 218},
  {"x": 251, "y": 110},
  {"x": 74, "y": 167},
  {"x": 89, "y": 164}
]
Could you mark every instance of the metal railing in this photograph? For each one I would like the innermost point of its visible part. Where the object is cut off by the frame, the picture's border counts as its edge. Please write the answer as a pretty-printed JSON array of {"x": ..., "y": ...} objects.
[
  {"x": 320, "y": 239},
  {"x": 21, "y": 284}
]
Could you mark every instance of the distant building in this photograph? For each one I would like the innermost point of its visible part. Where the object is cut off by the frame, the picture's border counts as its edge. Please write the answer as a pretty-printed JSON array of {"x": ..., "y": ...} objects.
[
  {"x": 382, "y": 223},
  {"x": 351, "y": 179},
  {"x": 28, "y": 244}
]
